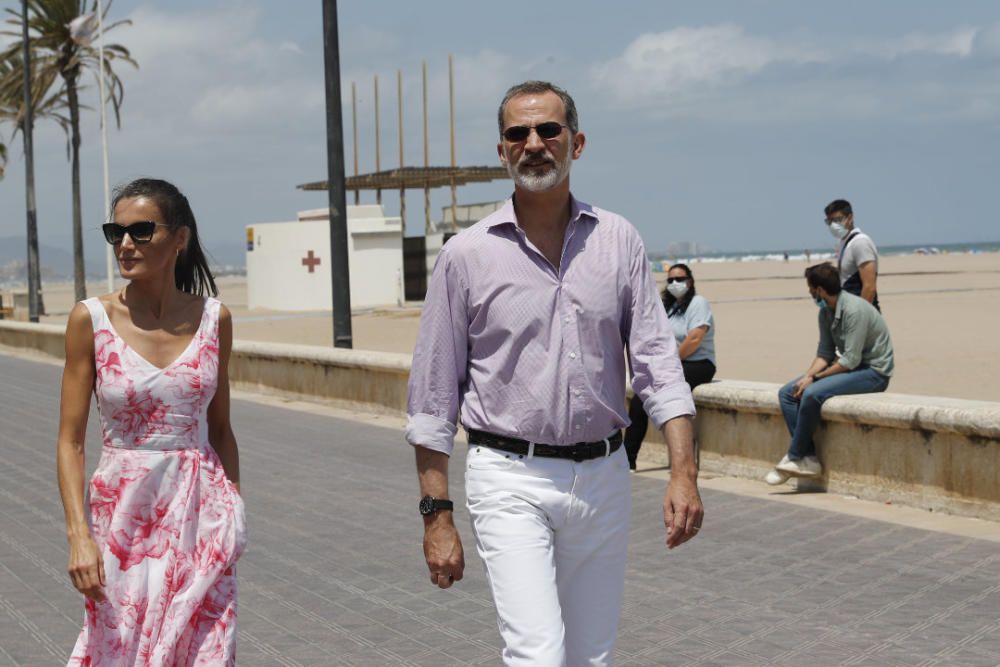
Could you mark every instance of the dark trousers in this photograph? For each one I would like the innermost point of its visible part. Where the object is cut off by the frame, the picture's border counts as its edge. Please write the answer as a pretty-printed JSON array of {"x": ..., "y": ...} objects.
[{"x": 695, "y": 373}]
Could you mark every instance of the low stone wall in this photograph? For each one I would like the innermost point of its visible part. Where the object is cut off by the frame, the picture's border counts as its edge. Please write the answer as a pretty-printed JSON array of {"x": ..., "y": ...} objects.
[
  {"x": 371, "y": 380},
  {"x": 930, "y": 452},
  {"x": 936, "y": 453}
]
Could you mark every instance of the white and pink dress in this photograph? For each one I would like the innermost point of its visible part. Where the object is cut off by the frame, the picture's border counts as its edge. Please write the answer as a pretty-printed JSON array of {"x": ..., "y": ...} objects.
[{"x": 169, "y": 523}]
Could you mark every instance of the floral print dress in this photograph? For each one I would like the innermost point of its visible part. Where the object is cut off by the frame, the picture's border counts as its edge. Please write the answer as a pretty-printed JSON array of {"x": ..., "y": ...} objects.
[{"x": 169, "y": 523}]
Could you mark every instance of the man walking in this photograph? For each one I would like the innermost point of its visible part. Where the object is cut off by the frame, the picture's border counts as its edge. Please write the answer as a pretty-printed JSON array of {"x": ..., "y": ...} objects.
[
  {"x": 526, "y": 319},
  {"x": 857, "y": 256}
]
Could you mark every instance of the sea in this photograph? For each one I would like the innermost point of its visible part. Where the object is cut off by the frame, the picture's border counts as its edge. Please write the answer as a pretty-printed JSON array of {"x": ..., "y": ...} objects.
[{"x": 821, "y": 254}]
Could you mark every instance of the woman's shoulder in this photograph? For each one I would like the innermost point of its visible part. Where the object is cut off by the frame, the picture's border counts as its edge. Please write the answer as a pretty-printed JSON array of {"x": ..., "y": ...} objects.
[{"x": 699, "y": 301}]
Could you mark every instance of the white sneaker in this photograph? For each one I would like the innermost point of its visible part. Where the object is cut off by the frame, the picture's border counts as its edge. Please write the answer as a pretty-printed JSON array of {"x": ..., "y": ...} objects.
[
  {"x": 776, "y": 477},
  {"x": 804, "y": 467}
]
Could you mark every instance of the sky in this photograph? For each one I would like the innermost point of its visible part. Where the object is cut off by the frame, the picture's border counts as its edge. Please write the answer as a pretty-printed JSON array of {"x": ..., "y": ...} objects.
[{"x": 729, "y": 123}]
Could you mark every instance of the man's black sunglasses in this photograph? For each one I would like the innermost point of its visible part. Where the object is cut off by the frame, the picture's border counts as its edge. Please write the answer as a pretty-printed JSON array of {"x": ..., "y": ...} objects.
[
  {"x": 519, "y": 133},
  {"x": 140, "y": 232}
]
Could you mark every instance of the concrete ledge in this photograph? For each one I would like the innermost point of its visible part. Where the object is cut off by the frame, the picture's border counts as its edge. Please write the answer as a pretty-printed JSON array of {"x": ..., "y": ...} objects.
[
  {"x": 372, "y": 380},
  {"x": 935, "y": 453},
  {"x": 44, "y": 338},
  {"x": 929, "y": 452}
]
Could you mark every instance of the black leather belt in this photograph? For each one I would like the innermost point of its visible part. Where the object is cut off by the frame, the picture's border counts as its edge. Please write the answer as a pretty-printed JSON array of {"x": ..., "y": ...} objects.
[{"x": 580, "y": 451}]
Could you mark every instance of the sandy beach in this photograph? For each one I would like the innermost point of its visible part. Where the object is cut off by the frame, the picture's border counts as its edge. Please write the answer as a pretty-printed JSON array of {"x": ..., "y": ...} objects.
[{"x": 943, "y": 312}]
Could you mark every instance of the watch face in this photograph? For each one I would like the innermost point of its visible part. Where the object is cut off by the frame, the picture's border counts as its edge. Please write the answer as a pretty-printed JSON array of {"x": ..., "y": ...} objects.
[{"x": 426, "y": 505}]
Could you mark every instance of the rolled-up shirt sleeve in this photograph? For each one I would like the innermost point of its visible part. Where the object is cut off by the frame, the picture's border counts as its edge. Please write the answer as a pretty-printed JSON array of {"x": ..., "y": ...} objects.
[
  {"x": 657, "y": 374},
  {"x": 438, "y": 371}
]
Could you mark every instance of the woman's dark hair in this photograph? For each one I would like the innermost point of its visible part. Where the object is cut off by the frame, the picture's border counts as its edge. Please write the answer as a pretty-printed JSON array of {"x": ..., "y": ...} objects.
[
  {"x": 191, "y": 273},
  {"x": 824, "y": 275},
  {"x": 670, "y": 301}
]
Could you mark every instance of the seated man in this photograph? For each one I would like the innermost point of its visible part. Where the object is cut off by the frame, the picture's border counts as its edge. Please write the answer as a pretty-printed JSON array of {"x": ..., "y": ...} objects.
[{"x": 854, "y": 357}]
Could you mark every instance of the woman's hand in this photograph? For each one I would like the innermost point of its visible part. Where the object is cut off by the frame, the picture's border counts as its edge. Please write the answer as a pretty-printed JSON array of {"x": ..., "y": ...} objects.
[{"x": 86, "y": 568}]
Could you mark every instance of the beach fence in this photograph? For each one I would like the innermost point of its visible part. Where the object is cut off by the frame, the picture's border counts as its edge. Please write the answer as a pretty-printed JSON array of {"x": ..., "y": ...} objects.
[{"x": 935, "y": 453}]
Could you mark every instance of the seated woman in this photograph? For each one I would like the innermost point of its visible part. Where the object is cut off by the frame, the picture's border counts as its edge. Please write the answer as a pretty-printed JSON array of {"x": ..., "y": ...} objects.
[{"x": 694, "y": 328}]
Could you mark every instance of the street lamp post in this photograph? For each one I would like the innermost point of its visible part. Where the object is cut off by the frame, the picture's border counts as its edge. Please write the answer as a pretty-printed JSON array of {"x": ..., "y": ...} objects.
[
  {"x": 82, "y": 31},
  {"x": 34, "y": 301},
  {"x": 339, "y": 270}
]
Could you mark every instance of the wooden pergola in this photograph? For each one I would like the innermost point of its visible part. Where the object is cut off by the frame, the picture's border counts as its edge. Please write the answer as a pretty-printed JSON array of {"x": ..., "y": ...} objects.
[
  {"x": 411, "y": 178},
  {"x": 414, "y": 178}
]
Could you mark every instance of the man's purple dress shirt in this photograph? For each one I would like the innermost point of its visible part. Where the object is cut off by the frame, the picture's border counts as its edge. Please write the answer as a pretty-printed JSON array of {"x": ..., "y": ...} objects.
[{"x": 525, "y": 350}]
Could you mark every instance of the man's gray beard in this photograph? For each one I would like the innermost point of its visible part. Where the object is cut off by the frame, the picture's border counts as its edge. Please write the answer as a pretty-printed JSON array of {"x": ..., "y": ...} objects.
[{"x": 541, "y": 182}]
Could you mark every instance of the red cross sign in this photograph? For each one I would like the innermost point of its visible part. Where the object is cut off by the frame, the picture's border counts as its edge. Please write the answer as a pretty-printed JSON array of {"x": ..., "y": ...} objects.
[{"x": 311, "y": 261}]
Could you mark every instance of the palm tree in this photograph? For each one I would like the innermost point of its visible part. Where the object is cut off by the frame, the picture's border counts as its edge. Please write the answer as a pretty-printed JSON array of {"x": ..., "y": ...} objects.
[
  {"x": 55, "y": 53},
  {"x": 14, "y": 110}
]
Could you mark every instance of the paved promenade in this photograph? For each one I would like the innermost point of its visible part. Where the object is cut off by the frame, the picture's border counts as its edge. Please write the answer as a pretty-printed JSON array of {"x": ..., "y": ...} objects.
[{"x": 334, "y": 573}]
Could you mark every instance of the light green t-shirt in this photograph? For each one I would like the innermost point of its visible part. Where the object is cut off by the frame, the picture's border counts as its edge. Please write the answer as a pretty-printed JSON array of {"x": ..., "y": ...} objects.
[{"x": 855, "y": 334}]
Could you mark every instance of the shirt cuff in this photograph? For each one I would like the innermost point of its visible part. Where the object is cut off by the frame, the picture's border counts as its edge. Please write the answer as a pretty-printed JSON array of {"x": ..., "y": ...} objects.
[
  {"x": 669, "y": 402},
  {"x": 423, "y": 430}
]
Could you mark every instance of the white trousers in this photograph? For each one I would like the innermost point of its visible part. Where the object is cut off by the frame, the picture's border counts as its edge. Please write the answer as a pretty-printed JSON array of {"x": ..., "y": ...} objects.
[{"x": 553, "y": 534}]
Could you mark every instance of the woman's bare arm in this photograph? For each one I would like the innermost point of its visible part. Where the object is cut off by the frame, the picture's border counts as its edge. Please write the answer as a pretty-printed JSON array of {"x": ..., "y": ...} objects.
[{"x": 86, "y": 568}]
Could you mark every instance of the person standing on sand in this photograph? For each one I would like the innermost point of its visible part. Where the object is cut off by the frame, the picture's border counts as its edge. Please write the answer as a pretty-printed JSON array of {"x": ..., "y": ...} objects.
[{"x": 857, "y": 256}]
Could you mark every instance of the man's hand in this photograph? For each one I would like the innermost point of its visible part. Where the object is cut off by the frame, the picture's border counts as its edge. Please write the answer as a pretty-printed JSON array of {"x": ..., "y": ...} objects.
[
  {"x": 682, "y": 511},
  {"x": 443, "y": 550},
  {"x": 802, "y": 385},
  {"x": 86, "y": 568}
]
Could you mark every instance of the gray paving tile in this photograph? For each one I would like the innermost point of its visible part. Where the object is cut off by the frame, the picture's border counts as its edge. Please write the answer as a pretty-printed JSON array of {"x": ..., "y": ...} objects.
[{"x": 334, "y": 575}]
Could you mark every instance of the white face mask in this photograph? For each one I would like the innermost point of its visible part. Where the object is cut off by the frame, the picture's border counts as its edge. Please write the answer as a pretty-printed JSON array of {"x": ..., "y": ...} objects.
[
  {"x": 838, "y": 230},
  {"x": 678, "y": 290}
]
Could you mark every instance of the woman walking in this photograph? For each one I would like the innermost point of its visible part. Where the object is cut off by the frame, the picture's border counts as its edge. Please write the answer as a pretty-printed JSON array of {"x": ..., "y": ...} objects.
[
  {"x": 694, "y": 330},
  {"x": 154, "y": 541}
]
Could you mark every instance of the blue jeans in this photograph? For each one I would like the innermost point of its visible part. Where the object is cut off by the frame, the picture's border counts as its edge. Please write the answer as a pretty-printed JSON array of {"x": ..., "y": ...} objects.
[{"x": 802, "y": 414}]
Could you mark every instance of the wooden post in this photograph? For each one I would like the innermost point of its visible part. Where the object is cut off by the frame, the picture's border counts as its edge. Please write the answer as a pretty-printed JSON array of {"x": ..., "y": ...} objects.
[
  {"x": 427, "y": 190},
  {"x": 451, "y": 115},
  {"x": 402, "y": 186},
  {"x": 354, "y": 120},
  {"x": 378, "y": 144}
]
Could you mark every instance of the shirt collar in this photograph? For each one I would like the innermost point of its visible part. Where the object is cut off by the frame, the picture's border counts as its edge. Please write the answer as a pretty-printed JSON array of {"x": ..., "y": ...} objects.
[
  {"x": 577, "y": 210},
  {"x": 839, "y": 310}
]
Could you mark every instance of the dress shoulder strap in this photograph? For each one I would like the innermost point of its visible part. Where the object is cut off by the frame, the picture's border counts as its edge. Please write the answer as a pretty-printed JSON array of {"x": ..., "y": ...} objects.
[
  {"x": 212, "y": 306},
  {"x": 98, "y": 314}
]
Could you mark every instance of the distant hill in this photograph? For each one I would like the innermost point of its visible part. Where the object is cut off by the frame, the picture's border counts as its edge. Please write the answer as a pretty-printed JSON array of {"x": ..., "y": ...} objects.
[{"x": 57, "y": 263}]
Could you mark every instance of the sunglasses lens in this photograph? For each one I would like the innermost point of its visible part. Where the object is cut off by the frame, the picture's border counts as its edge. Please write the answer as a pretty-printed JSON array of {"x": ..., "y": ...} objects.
[
  {"x": 141, "y": 232},
  {"x": 548, "y": 130},
  {"x": 516, "y": 133},
  {"x": 113, "y": 233}
]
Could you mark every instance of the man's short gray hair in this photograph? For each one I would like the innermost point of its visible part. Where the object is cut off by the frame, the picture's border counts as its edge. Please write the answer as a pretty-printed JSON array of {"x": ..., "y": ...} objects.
[{"x": 535, "y": 87}]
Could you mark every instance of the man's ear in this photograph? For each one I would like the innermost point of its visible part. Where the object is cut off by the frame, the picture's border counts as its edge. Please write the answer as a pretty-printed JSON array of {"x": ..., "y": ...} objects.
[{"x": 579, "y": 141}]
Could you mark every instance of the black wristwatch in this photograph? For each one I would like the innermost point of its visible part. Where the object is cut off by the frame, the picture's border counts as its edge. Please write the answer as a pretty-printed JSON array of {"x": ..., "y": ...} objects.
[{"x": 430, "y": 505}]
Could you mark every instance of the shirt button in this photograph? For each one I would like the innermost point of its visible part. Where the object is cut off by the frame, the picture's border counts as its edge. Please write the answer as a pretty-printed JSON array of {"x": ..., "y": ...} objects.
[
  {"x": 572, "y": 355},
  {"x": 566, "y": 319},
  {"x": 577, "y": 427}
]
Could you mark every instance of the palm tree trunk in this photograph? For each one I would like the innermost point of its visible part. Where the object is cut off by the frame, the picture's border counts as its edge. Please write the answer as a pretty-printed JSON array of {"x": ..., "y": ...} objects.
[{"x": 79, "y": 271}]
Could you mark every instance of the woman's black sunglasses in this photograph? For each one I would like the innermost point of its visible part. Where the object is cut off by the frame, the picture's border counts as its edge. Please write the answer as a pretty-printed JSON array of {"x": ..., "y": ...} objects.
[
  {"x": 140, "y": 232},
  {"x": 678, "y": 280},
  {"x": 518, "y": 133}
]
